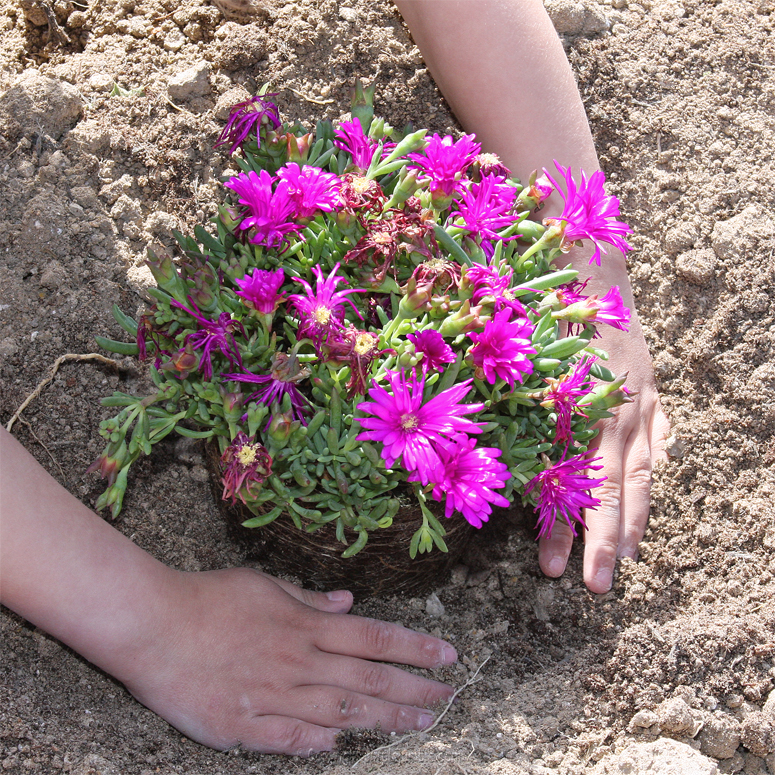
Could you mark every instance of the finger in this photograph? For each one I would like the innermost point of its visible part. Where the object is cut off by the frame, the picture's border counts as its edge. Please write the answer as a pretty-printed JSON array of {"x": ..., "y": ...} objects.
[
  {"x": 384, "y": 682},
  {"x": 286, "y": 735},
  {"x": 602, "y": 536},
  {"x": 330, "y": 706},
  {"x": 553, "y": 551},
  {"x": 354, "y": 636},
  {"x": 337, "y": 602}
]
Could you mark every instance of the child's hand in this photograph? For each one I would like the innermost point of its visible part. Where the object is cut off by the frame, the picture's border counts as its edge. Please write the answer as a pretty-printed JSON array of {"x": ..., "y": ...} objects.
[
  {"x": 247, "y": 659},
  {"x": 629, "y": 443}
]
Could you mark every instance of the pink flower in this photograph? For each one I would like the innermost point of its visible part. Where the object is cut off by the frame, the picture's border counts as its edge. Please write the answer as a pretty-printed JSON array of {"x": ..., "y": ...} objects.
[
  {"x": 443, "y": 163},
  {"x": 501, "y": 350},
  {"x": 489, "y": 286},
  {"x": 564, "y": 492},
  {"x": 261, "y": 289},
  {"x": 561, "y": 396},
  {"x": 246, "y": 464},
  {"x": 321, "y": 311},
  {"x": 590, "y": 214},
  {"x": 435, "y": 351},
  {"x": 468, "y": 476},
  {"x": 311, "y": 189},
  {"x": 484, "y": 209},
  {"x": 269, "y": 212},
  {"x": 590, "y": 309},
  {"x": 350, "y": 137},
  {"x": 410, "y": 429},
  {"x": 252, "y": 114}
]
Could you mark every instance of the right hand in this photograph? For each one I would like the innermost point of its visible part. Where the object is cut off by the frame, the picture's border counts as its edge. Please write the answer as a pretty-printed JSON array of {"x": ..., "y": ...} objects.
[{"x": 247, "y": 659}]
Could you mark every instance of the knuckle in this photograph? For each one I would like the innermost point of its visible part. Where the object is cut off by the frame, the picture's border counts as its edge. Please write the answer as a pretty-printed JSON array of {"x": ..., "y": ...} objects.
[
  {"x": 295, "y": 737},
  {"x": 346, "y": 708},
  {"x": 375, "y": 680},
  {"x": 640, "y": 478},
  {"x": 377, "y": 636}
]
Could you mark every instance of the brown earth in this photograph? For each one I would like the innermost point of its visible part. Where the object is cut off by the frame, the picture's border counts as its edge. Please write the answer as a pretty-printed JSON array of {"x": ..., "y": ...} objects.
[{"x": 681, "y": 98}]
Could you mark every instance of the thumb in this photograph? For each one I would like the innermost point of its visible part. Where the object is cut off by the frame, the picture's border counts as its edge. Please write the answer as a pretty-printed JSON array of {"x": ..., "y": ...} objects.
[{"x": 337, "y": 602}]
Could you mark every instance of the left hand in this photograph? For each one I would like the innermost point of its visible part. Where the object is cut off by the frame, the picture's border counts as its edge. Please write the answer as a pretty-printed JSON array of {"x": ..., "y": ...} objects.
[{"x": 629, "y": 444}]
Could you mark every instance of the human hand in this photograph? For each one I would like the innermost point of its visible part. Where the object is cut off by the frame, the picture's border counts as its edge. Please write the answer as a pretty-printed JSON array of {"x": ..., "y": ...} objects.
[
  {"x": 247, "y": 659},
  {"x": 629, "y": 444}
]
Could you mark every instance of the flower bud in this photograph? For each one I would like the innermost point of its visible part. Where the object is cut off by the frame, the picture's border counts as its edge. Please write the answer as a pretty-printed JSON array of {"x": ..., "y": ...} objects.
[
  {"x": 281, "y": 426},
  {"x": 535, "y": 193},
  {"x": 298, "y": 147},
  {"x": 229, "y": 217},
  {"x": 465, "y": 320},
  {"x": 362, "y": 103},
  {"x": 416, "y": 298},
  {"x": 233, "y": 406},
  {"x": 607, "y": 395}
]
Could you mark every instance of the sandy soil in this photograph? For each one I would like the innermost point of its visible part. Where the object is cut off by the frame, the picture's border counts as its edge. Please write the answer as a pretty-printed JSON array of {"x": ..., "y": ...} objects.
[{"x": 681, "y": 99}]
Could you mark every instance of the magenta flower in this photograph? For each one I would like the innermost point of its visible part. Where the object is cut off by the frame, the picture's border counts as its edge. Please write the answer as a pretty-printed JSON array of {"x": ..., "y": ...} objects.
[
  {"x": 409, "y": 429},
  {"x": 435, "y": 351},
  {"x": 311, "y": 189},
  {"x": 590, "y": 309},
  {"x": 246, "y": 464},
  {"x": 590, "y": 214},
  {"x": 484, "y": 210},
  {"x": 488, "y": 285},
  {"x": 269, "y": 212},
  {"x": 282, "y": 379},
  {"x": 246, "y": 116},
  {"x": 350, "y": 137},
  {"x": 443, "y": 164},
  {"x": 501, "y": 350},
  {"x": 260, "y": 290},
  {"x": 561, "y": 397},
  {"x": 468, "y": 476},
  {"x": 212, "y": 335},
  {"x": 563, "y": 492},
  {"x": 321, "y": 311}
]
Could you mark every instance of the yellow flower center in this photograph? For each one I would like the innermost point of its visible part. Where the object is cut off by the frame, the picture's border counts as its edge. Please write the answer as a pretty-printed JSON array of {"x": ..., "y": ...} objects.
[
  {"x": 322, "y": 315},
  {"x": 360, "y": 185},
  {"x": 488, "y": 158},
  {"x": 382, "y": 238},
  {"x": 247, "y": 454},
  {"x": 408, "y": 422},
  {"x": 364, "y": 344}
]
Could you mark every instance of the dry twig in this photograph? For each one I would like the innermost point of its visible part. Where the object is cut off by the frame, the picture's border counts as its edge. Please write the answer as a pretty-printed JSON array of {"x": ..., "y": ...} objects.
[
  {"x": 54, "y": 369},
  {"x": 433, "y": 726}
]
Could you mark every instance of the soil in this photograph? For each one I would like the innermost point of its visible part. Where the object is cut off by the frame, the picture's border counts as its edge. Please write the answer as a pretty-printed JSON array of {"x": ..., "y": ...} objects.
[{"x": 681, "y": 98}]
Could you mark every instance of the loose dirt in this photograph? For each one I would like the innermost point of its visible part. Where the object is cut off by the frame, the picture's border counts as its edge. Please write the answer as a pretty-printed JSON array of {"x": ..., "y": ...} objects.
[{"x": 105, "y": 148}]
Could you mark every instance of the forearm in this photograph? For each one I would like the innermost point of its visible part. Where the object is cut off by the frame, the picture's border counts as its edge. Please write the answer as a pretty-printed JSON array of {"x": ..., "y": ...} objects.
[{"x": 68, "y": 571}]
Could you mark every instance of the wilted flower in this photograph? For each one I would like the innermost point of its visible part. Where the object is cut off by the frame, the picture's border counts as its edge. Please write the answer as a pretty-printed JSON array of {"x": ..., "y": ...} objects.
[
  {"x": 310, "y": 189},
  {"x": 270, "y": 212},
  {"x": 468, "y": 476},
  {"x": 213, "y": 335},
  {"x": 501, "y": 350},
  {"x": 245, "y": 117},
  {"x": 357, "y": 349},
  {"x": 281, "y": 380},
  {"x": 563, "y": 491},
  {"x": 321, "y": 311},
  {"x": 246, "y": 464},
  {"x": 489, "y": 164},
  {"x": 589, "y": 213},
  {"x": 409, "y": 428}
]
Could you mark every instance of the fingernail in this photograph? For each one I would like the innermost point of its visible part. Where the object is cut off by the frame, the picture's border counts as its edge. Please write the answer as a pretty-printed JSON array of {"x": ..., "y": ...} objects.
[
  {"x": 339, "y": 596},
  {"x": 603, "y": 578},
  {"x": 448, "y": 655},
  {"x": 555, "y": 566},
  {"x": 425, "y": 720}
]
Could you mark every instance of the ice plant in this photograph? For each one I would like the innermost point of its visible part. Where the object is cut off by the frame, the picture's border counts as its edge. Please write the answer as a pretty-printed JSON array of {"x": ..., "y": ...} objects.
[
  {"x": 246, "y": 466},
  {"x": 502, "y": 349},
  {"x": 310, "y": 189},
  {"x": 375, "y": 320},
  {"x": 261, "y": 290},
  {"x": 468, "y": 476},
  {"x": 563, "y": 490},
  {"x": 410, "y": 429},
  {"x": 443, "y": 163},
  {"x": 270, "y": 208},
  {"x": 246, "y": 117},
  {"x": 321, "y": 311},
  {"x": 589, "y": 213}
]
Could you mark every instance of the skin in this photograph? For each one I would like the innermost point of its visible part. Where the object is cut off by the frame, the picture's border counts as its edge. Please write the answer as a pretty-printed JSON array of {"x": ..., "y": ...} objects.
[
  {"x": 516, "y": 91},
  {"x": 230, "y": 657}
]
